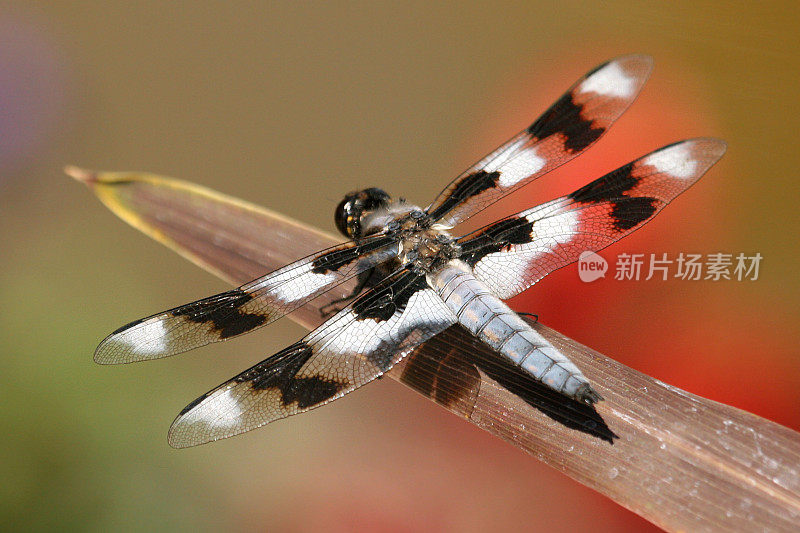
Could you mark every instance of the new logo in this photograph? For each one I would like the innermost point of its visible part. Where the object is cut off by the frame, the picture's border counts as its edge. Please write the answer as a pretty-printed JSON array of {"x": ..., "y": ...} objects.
[{"x": 591, "y": 266}]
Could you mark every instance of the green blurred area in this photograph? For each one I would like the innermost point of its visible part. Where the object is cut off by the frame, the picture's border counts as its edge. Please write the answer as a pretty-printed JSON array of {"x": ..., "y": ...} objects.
[{"x": 290, "y": 106}]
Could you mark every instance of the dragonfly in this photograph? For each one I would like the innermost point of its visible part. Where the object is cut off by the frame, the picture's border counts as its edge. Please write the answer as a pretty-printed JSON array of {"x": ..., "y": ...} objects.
[{"x": 414, "y": 276}]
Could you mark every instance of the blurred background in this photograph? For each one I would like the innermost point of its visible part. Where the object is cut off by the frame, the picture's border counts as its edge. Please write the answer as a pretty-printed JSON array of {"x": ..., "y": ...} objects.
[{"x": 290, "y": 106}]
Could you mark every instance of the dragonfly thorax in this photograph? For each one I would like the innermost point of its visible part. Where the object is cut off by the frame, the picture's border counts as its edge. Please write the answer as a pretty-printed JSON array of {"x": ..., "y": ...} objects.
[
  {"x": 423, "y": 245},
  {"x": 427, "y": 249}
]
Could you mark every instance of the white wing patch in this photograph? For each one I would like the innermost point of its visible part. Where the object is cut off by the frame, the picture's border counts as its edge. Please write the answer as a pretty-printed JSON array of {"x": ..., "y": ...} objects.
[
  {"x": 526, "y": 163},
  {"x": 676, "y": 161},
  {"x": 610, "y": 80},
  {"x": 549, "y": 232},
  {"x": 424, "y": 308},
  {"x": 148, "y": 338},
  {"x": 560, "y": 227},
  {"x": 220, "y": 410},
  {"x": 298, "y": 283},
  {"x": 513, "y": 267},
  {"x": 515, "y": 163},
  {"x": 499, "y": 157},
  {"x": 359, "y": 332}
]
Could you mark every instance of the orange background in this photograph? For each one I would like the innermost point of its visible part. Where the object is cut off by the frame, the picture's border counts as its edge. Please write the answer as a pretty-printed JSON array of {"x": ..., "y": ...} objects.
[{"x": 291, "y": 107}]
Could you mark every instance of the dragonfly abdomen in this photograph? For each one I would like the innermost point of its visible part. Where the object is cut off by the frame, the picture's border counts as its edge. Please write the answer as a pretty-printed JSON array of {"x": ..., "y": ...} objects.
[{"x": 496, "y": 324}]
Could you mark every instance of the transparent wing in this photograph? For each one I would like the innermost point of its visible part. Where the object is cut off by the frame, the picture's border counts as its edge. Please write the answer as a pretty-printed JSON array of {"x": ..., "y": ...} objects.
[
  {"x": 512, "y": 254},
  {"x": 241, "y": 310},
  {"x": 565, "y": 130},
  {"x": 351, "y": 349}
]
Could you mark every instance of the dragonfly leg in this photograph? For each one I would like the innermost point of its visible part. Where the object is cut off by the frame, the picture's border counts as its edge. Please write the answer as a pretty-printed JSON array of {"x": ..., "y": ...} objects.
[{"x": 532, "y": 315}]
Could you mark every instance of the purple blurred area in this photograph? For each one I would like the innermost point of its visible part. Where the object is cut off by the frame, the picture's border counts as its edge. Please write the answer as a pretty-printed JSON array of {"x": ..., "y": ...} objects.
[
  {"x": 32, "y": 90},
  {"x": 292, "y": 105}
]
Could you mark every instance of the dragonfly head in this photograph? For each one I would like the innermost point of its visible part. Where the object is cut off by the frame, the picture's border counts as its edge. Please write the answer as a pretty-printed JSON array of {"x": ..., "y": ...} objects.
[{"x": 354, "y": 206}]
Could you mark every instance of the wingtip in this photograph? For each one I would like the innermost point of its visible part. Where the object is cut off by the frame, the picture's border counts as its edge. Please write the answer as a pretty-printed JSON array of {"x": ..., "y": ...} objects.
[
  {"x": 719, "y": 144},
  {"x": 709, "y": 145},
  {"x": 179, "y": 439},
  {"x": 176, "y": 444},
  {"x": 716, "y": 147},
  {"x": 110, "y": 353},
  {"x": 98, "y": 356},
  {"x": 642, "y": 61},
  {"x": 190, "y": 427},
  {"x": 101, "y": 359},
  {"x": 176, "y": 441},
  {"x": 104, "y": 353},
  {"x": 621, "y": 77}
]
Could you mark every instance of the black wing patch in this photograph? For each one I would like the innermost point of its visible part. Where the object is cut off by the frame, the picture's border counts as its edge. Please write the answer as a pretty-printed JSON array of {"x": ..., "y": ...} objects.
[
  {"x": 567, "y": 128},
  {"x": 352, "y": 348},
  {"x": 511, "y": 255},
  {"x": 251, "y": 306},
  {"x": 469, "y": 186},
  {"x": 224, "y": 313},
  {"x": 281, "y": 373},
  {"x": 565, "y": 118}
]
